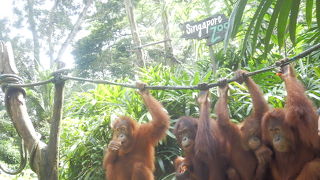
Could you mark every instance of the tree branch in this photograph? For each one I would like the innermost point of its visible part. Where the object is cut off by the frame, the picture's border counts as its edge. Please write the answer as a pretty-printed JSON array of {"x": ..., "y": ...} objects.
[
  {"x": 54, "y": 139},
  {"x": 72, "y": 34},
  {"x": 36, "y": 45},
  {"x": 50, "y": 30},
  {"x": 17, "y": 110}
]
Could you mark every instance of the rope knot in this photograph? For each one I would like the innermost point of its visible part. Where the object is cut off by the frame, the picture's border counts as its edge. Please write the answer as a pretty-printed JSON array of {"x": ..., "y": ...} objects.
[
  {"x": 203, "y": 86},
  {"x": 222, "y": 82},
  {"x": 58, "y": 75},
  {"x": 7, "y": 79},
  {"x": 282, "y": 62}
]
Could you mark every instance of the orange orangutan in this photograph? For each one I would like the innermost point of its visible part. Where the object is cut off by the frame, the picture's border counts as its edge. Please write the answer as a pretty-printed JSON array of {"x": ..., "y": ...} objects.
[
  {"x": 319, "y": 122},
  {"x": 130, "y": 153},
  {"x": 251, "y": 135},
  {"x": 242, "y": 160},
  {"x": 204, "y": 147},
  {"x": 292, "y": 133}
]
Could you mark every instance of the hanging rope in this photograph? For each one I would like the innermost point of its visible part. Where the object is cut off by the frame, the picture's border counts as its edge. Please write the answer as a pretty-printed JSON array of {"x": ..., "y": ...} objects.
[
  {"x": 34, "y": 149},
  {"x": 196, "y": 87},
  {"x": 23, "y": 161}
]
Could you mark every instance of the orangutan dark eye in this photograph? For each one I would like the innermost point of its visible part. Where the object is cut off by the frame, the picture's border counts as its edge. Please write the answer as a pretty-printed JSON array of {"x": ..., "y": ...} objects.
[{"x": 184, "y": 138}]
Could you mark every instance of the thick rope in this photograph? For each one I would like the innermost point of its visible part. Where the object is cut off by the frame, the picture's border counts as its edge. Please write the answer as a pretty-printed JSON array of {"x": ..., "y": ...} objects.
[
  {"x": 30, "y": 84},
  {"x": 204, "y": 86}
]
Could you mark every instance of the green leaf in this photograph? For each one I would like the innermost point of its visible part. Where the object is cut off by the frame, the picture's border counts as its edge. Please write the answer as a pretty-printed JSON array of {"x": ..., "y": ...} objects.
[
  {"x": 317, "y": 71},
  {"x": 282, "y": 21},
  {"x": 293, "y": 20},
  {"x": 264, "y": 9},
  {"x": 206, "y": 78},
  {"x": 242, "y": 4},
  {"x": 318, "y": 12},
  {"x": 161, "y": 164},
  {"x": 234, "y": 21},
  {"x": 314, "y": 96},
  {"x": 309, "y": 6},
  {"x": 272, "y": 22},
  {"x": 196, "y": 78},
  {"x": 254, "y": 18}
]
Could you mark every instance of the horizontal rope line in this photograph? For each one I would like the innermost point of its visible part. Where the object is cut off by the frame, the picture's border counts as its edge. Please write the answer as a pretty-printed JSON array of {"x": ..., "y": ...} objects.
[{"x": 196, "y": 87}]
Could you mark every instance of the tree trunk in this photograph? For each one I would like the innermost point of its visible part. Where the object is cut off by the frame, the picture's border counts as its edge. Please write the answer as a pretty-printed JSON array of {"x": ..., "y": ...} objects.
[
  {"x": 50, "y": 30},
  {"x": 43, "y": 159},
  {"x": 211, "y": 51},
  {"x": 135, "y": 34},
  {"x": 213, "y": 60},
  {"x": 52, "y": 160},
  {"x": 167, "y": 44},
  {"x": 72, "y": 34},
  {"x": 36, "y": 45}
]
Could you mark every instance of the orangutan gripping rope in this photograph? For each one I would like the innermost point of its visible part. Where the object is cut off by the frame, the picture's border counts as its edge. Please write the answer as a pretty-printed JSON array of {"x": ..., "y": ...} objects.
[{"x": 130, "y": 154}]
